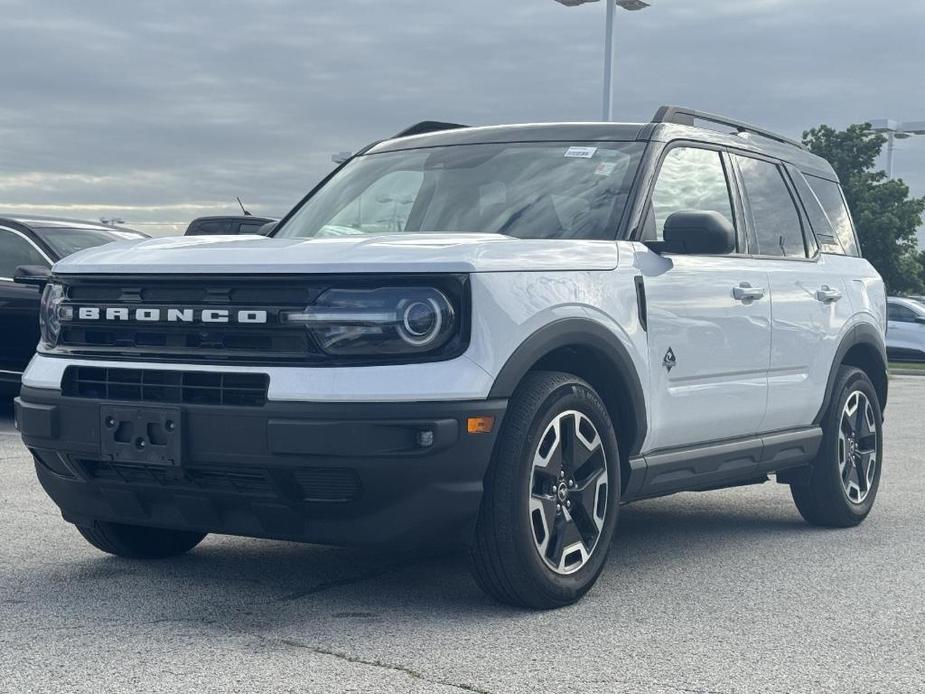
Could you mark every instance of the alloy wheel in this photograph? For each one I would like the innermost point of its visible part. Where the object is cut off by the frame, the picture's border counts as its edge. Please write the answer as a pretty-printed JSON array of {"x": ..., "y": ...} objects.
[
  {"x": 568, "y": 492},
  {"x": 857, "y": 447}
]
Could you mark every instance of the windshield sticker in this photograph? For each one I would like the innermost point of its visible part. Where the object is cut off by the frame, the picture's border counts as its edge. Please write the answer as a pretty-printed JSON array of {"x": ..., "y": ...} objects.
[
  {"x": 581, "y": 152},
  {"x": 605, "y": 168}
]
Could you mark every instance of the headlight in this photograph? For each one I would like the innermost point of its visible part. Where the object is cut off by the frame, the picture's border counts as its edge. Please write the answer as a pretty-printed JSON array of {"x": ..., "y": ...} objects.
[
  {"x": 52, "y": 312},
  {"x": 382, "y": 321}
]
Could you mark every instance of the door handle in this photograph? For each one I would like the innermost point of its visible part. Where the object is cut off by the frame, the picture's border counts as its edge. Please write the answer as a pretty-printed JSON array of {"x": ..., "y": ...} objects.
[
  {"x": 746, "y": 292},
  {"x": 827, "y": 295}
]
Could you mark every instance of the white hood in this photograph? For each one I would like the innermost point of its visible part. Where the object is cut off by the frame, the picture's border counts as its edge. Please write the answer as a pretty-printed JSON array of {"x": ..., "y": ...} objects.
[{"x": 413, "y": 252}]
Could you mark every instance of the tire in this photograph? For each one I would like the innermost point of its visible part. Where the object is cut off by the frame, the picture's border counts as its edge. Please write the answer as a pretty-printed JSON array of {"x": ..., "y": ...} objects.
[
  {"x": 834, "y": 496},
  {"x": 139, "y": 542},
  {"x": 520, "y": 535}
]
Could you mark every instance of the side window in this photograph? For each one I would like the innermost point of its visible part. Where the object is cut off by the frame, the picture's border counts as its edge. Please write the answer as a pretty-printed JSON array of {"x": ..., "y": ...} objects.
[
  {"x": 213, "y": 226},
  {"x": 16, "y": 251},
  {"x": 774, "y": 216},
  {"x": 249, "y": 228},
  {"x": 690, "y": 179},
  {"x": 383, "y": 207},
  {"x": 818, "y": 219},
  {"x": 833, "y": 202},
  {"x": 900, "y": 314}
]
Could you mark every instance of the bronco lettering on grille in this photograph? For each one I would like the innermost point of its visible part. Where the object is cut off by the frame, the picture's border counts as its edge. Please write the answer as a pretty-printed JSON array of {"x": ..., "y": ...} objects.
[{"x": 170, "y": 315}]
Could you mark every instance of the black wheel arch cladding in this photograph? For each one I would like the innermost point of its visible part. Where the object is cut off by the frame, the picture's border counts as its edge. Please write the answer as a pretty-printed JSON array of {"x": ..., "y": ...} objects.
[
  {"x": 862, "y": 347},
  {"x": 612, "y": 364}
]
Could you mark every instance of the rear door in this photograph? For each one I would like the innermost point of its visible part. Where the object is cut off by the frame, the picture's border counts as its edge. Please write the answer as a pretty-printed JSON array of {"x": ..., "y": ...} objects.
[
  {"x": 709, "y": 342},
  {"x": 809, "y": 308},
  {"x": 19, "y": 304}
]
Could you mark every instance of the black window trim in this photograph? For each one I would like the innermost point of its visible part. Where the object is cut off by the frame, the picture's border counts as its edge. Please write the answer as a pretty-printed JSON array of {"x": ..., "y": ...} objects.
[{"x": 31, "y": 243}]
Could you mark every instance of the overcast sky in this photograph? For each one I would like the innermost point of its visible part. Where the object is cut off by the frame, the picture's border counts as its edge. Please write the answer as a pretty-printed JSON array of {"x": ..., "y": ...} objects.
[{"x": 162, "y": 110}]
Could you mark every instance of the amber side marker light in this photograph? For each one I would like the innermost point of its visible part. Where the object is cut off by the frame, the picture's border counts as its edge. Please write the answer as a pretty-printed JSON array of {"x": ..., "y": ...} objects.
[{"x": 480, "y": 425}]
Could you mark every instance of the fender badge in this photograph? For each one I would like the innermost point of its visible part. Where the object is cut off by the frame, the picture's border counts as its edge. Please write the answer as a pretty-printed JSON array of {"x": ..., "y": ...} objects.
[{"x": 670, "y": 360}]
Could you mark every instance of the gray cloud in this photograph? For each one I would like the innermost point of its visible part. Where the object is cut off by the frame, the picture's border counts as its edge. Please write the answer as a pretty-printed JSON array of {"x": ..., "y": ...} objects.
[{"x": 161, "y": 111}]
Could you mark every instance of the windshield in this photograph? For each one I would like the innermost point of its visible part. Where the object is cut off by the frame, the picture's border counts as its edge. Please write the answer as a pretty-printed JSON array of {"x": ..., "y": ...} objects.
[
  {"x": 64, "y": 241},
  {"x": 526, "y": 190}
]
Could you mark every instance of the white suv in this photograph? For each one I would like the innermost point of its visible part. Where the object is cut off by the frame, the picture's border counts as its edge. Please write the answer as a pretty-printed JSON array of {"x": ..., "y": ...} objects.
[{"x": 499, "y": 334}]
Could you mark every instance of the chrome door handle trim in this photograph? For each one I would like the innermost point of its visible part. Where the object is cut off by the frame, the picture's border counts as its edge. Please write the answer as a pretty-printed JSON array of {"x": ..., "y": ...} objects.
[
  {"x": 746, "y": 292},
  {"x": 827, "y": 295}
]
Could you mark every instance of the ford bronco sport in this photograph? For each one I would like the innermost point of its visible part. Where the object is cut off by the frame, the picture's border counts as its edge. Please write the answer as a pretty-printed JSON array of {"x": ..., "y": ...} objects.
[{"x": 499, "y": 334}]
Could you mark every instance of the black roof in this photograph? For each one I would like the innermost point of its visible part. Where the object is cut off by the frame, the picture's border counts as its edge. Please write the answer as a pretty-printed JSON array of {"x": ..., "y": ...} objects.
[{"x": 669, "y": 123}]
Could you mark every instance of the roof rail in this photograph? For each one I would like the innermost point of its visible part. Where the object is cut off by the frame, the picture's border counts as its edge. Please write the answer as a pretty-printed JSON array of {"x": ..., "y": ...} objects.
[
  {"x": 428, "y": 126},
  {"x": 686, "y": 116}
]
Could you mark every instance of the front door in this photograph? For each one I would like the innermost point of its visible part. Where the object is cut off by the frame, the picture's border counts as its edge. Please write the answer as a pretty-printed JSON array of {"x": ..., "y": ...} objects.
[
  {"x": 709, "y": 320},
  {"x": 19, "y": 304}
]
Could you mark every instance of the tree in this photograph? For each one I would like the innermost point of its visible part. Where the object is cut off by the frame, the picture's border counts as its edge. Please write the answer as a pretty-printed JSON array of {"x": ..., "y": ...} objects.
[{"x": 885, "y": 216}]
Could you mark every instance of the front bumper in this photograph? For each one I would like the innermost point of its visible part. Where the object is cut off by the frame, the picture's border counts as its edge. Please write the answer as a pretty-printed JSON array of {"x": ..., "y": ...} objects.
[{"x": 331, "y": 473}]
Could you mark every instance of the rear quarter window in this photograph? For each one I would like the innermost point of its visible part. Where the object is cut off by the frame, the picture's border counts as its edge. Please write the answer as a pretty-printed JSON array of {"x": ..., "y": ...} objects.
[
  {"x": 818, "y": 220},
  {"x": 833, "y": 203}
]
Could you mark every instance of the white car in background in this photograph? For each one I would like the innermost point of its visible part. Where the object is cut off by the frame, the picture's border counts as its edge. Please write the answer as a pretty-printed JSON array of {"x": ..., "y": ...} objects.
[{"x": 905, "y": 332}]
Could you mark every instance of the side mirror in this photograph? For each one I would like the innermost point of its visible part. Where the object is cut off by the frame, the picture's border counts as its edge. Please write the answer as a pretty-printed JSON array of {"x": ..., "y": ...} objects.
[
  {"x": 34, "y": 275},
  {"x": 698, "y": 232},
  {"x": 266, "y": 229}
]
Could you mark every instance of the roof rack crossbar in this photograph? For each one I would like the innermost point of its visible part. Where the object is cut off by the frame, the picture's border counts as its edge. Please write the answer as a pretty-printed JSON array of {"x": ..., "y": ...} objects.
[
  {"x": 686, "y": 116},
  {"x": 428, "y": 126}
]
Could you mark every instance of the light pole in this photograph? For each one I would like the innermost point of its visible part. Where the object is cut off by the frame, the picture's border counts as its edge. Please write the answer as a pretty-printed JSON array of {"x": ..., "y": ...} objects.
[
  {"x": 895, "y": 130},
  {"x": 609, "y": 40}
]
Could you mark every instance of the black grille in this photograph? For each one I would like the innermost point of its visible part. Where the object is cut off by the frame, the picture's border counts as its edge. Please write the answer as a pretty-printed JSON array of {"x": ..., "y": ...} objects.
[
  {"x": 270, "y": 341},
  {"x": 328, "y": 484},
  {"x": 234, "y": 342},
  {"x": 156, "y": 385},
  {"x": 302, "y": 484}
]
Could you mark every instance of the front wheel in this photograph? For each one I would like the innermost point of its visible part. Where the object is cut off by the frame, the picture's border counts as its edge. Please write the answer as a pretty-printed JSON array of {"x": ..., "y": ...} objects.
[
  {"x": 551, "y": 495},
  {"x": 846, "y": 473},
  {"x": 139, "y": 542}
]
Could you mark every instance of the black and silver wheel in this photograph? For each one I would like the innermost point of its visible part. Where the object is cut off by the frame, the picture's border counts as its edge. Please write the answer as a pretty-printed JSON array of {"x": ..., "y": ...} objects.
[
  {"x": 568, "y": 492},
  {"x": 857, "y": 447},
  {"x": 550, "y": 503},
  {"x": 846, "y": 473}
]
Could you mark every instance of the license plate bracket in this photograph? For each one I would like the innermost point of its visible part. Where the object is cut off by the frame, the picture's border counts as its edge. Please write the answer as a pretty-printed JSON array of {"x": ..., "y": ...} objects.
[{"x": 146, "y": 435}]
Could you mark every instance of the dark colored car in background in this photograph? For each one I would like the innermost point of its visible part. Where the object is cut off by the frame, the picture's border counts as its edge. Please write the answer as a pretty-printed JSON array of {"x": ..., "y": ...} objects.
[
  {"x": 37, "y": 241},
  {"x": 229, "y": 224}
]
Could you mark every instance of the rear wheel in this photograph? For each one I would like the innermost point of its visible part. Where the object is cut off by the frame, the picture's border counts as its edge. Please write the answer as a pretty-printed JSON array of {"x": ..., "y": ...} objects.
[
  {"x": 551, "y": 495},
  {"x": 139, "y": 542},
  {"x": 846, "y": 473}
]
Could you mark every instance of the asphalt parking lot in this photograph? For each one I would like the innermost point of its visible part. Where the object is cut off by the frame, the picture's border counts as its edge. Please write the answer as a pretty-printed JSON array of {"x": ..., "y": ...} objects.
[{"x": 724, "y": 591}]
